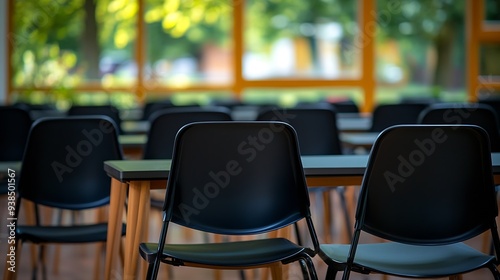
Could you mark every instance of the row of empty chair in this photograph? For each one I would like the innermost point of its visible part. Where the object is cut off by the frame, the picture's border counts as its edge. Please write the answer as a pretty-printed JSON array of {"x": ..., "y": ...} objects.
[
  {"x": 458, "y": 114},
  {"x": 426, "y": 216}
]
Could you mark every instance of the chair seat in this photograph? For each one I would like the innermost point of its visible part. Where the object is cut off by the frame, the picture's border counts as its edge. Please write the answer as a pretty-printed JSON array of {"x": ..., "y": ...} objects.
[
  {"x": 235, "y": 254},
  {"x": 408, "y": 260},
  {"x": 64, "y": 234}
]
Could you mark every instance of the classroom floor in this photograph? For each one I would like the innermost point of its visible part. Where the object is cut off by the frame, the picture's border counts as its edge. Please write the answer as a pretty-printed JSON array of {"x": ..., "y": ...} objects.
[{"x": 78, "y": 262}]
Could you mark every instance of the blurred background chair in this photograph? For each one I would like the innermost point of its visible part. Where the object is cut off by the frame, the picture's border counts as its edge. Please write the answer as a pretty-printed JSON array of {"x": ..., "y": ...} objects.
[
  {"x": 425, "y": 210},
  {"x": 246, "y": 192},
  {"x": 465, "y": 113},
  {"x": 494, "y": 102},
  {"x": 102, "y": 110},
  {"x": 316, "y": 127},
  {"x": 344, "y": 105},
  {"x": 154, "y": 106},
  {"x": 15, "y": 127},
  {"x": 66, "y": 173},
  {"x": 386, "y": 115},
  {"x": 166, "y": 123}
]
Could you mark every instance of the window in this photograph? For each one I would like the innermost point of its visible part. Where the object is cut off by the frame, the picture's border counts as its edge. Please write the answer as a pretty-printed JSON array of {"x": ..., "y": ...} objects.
[{"x": 129, "y": 51}]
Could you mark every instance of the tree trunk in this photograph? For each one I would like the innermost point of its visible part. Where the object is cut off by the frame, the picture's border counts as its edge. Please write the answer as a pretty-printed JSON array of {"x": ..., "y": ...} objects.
[
  {"x": 443, "y": 43},
  {"x": 90, "y": 43}
]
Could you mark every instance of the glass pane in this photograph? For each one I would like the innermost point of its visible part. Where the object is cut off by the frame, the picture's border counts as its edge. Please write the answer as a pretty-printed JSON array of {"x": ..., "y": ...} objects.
[
  {"x": 291, "y": 97},
  {"x": 489, "y": 68},
  {"x": 489, "y": 58},
  {"x": 492, "y": 10},
  {"x": 304, "y": 39},
  {"x": 66, "y": 43},
  {"x": 188, "y": 42},
  {"x": 62, "y": 100},
  {"x": 420, "y": 50}
]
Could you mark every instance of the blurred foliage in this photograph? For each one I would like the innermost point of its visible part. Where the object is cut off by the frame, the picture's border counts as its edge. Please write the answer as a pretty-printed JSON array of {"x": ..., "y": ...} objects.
[
  {"x": 267, "y": 21},
  {"x": 48, "y": 33}
]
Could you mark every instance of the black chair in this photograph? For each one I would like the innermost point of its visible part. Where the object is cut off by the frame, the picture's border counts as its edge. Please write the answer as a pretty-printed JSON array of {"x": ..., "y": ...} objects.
[
  {"x": 66, "y": 172},
  {"x": 386, "y": 115},
  {"x": 15, "y": 126},
  {"x": 494, "y": 102},
  {"x": 104, "y": 110},
  {"x": 345, "y": 106},
  {"x": 166, "y": 123},
  {"x": 316, "y": 127},
  {"x": 425, "y": 199},
  {"x": 465, "y": 113},
  {"x": 154, "y": 106},
  {"x": 234, "y": 178}
]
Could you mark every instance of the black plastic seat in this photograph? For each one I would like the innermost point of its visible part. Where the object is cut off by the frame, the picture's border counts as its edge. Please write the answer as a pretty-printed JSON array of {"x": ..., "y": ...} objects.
[
  {"x": 386, "y": 115},
  {"x": 66, "y": 172},
  {"x": 166, "y": 123},
  {"x": 425, "y": 199},
  {"x": 465, "y": 113},
  {"x": 316, "y": 127},
  {"x": 15, "y": 126},
  {"x": 103, "y": 110},
  {"x": 234, "y": 178}
]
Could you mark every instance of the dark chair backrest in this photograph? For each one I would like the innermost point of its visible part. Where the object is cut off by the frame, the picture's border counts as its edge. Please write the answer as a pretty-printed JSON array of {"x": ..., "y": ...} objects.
[
  {"x": 63, "y": 162},
  {"x": 316, "y": 127},
  {"x": 236, "y": 178},
  {"x": 166, "y": 123},
  {"x": 152, "y": 107},
  {"x": 494, "y": 102},
  {"x": 15, "y": 126},
  {"x": 104, "y": 110},
  {"x": 418, "y": 189},
  {"x": 386, "y": 115},
  {"x": 345, "y": 106},
  {"x": 465, "y": 113}
]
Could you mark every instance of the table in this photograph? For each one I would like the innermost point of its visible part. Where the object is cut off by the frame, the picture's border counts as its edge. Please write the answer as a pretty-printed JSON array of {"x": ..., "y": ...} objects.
[
  {"x": 140, "y": 176},
  {"x": 346, "y": 122},
  {"x": 354, "y": 140},
  {"x": 133, "y": 144}
]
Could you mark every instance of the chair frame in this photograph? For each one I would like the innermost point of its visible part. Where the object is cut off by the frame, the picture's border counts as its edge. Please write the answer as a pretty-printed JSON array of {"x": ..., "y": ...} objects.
[
  {"x": 343, "y": 257},
  {"x": 172, "y": 213},
  {"x": 28, "y": 189}
]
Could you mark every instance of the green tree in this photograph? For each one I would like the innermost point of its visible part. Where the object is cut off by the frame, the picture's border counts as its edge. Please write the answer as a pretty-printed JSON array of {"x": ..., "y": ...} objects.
[{"x": 439, "y": 23}]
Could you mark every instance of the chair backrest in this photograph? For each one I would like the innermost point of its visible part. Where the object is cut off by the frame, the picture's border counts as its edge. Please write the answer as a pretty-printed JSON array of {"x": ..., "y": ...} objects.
[
  {"x": 15, "y": 126},
  {"x": 152, "y": 107},
  {"x": 236, "y": 178},
  {"x": 345, "y": 106},
  {"x": 494, "y": 102},
  {"x": 316, "y": 127},
  {"x": 465, "y": 113},
  {"x": 104, "y": 110},
  {"x": 386, "y": 115},
  {"x": 63, "y": 162},
  {"x": 418, "y": 189},
  {"x": 166, "y": 123}
]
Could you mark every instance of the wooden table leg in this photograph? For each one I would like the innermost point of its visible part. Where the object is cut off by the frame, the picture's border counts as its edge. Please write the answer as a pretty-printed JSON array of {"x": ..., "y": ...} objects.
[
  {"x": 327, "y": 215},
  {"x": 117, "y": 202},
  {"x": 136, "y": 220},
  {"x": 145, "y": 230}
]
